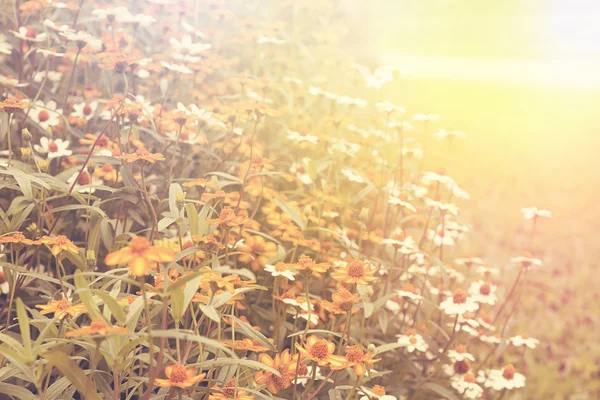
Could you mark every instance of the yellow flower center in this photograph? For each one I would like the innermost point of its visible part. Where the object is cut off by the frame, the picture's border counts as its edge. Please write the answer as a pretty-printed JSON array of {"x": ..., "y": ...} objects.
[
  {"x": 461, "y": 348},
  {"x": 319, "y": 349},
  {"x": 378, "y": 390},
  {"x": 485, "y": 289},
  {"x": 63, "y": 304},
  {"x": 139, "y": 245},
  {"x": 44, "y": 116},
  {"x": 355, "y": 269},
  {"x": 459, "y": 297},
  {"x": 178, "y": 374},
  {"x": 409, "y": 288},
  {"x": 508, "y": 372},
  {"x": 98, "y": 324},
  {"x": 469, "y": 377},
  {"x": 354, "y": 354},
  {"x": 52, "y": 146},
  {"x": 462, "y": 367}
]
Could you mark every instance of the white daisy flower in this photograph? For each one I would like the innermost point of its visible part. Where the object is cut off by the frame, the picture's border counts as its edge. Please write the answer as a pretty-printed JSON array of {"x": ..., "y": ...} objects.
[
  {"x": 445, "y": 134},
  {"x": 388, "y": 107},
  {"x": 85, "y": 110},
  {"x": 483, "y": 292},
  {"x": 180, "y": 68},
  {"x": 298, "y": 137},
  {"x": 534, "y": 212},
  {"x": 404, "y": 204},
  {"x": 314, "y": 318},
  {"x": 352, "y": 176},
  {"x": 5, "y": 46},
  {"x": 524, "y": 340},
  {"x": 467, "y": 386},
  {"x": 413, "y": 152},
  {"x": 56, "y": 27},
  {"x": 48, "y": 53},
  {"x": 505, "y": 378},
  {"x": 443, "y": 207},
  {"x": 413, "y": 341},
  {"x": 487, "y": 270},
  {"x": 45, "y": 115},
  {"x": 138, "y": 19},
  {"x": 274, "y": 270},
  {"x": 469, "y": 261},
  {"x": 187, "y": 47},
  {"x": 527, "y": 262},
  {"x": 303, "y": 380},
  {"x": 426, "y": 117},
  {"x": 459, "y": 304},
  {"x": 300, "y": 170},
  {"x": 84, "y": 182},
  {"x": 491, "y": 339},
  {"x": 111, "y": 13},
  {"x": 54, "y": 148},
  {"x": 376, "y": 392},
  {"x": 4, "y": 285},
  {"x": 12, "y": 82},
  {"x": 460, "y": 354},
  {"x": 30, "y": 35}
]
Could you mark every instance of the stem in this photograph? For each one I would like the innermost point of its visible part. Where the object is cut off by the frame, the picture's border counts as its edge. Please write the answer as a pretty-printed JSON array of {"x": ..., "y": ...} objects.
[{"x": 64, "y": 107}]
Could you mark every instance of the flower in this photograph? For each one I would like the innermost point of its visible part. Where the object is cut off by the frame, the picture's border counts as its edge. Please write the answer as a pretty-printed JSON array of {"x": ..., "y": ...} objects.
[
  {"x": 342, "y": 301},
  {"x": 180, "y": 376},
  {"x": 182, "y": 69},
  {"x": 459, "y": 303},
  {"x": 377, "y": 392},
  {"x": 412, "y": 341},
  {"x": 355, "y": 358},
  {"x": 229, "y": 391},
  {"x": 534, "y": 213},
  {"x": 45, "y": 115},
  {"x": 467, "y": 386},
  {"x": 118, "y": 61},
  {"x": 97, "y": 327},
  {"x": 4, "y": 285},
  {"x": 227, "y": 218},
  {"x": 30, "y": 35},
  {"x": 283, "y": 362},
  {"x": 61, "y": 308},
  {"x": 279, "y": 269},
  {"x": 53, "y": 147},
  {"x": 82, "y": 39},
  {"x": 505, "y": 378},
  {"x": 18, "y": 238},
  {"x": 527, "y": 261},
  {"x": 10, "y": 105},
  {"x": 356, "y": 271},
  {"x": 85, "y": 181},
  {"x": 59, "y": 244},
  {"x": 483, "y": 292},
  {"x": 524, "y": 340},
  {"x": 84, "y": 110},
  {"x": 139, "y": 255},
  {"x": 317, "y": 349},
  {"x": 257, "y": 252},
  {"x": 5, "y": 46},
  {"x": 144, "y": 155},
  {"x": 444, "y": 134},
  {"x": 246, "y": 344}
]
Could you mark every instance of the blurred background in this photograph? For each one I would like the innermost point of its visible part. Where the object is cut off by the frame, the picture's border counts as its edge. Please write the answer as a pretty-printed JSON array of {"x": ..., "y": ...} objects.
[{"x": 522, "y": 80}]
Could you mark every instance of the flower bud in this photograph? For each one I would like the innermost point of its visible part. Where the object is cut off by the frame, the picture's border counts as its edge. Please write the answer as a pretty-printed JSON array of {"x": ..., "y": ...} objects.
[
  {"x": 25, "y": 154},
  {"x": 26, "y": 135}
]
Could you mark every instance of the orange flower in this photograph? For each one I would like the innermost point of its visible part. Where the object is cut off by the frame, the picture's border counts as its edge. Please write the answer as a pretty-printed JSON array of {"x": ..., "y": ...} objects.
[
  {"x": 18, "y": 238},
  {"x": 317, "y": 349},
  {"x": 10, "y": 105},
  {"x": 258, "y": 251},
  {"x": 229, "y": 391},
  {"x": 59, "y": 244},
  {"x": 118, "y": 61},
  {"x": 355, "y": 358},
  {"x": 97, "y": 327},
  {"x": 61, "y": 308},
  {"x": 356, "y": 271},
  {"x": 228, "y": 218},
  {"x": 180, "y": 376},
  {"x": 139, "y": 255},
  {"x": 144, "y": 155},
  {"x": 343, "y": 301},
  {"x": 285, "y": 363}
]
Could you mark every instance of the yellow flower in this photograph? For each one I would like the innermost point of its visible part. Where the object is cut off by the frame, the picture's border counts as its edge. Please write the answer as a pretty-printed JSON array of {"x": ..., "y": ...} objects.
[
  {"x": 59, "y": 243},
  {"x": 317, "y": 349},
  {"x": 143, "y": 155},
  {"x": 180, "y": 376},
  {"x": 257, "y": 252},
  {"x": 246, "y": 344},
  {"x": 97, "y": 327},
  {"x": 139, "y": 255},
  {"x": 285, "y": 363},
  {"x": 356, "y": 271},
  {"x": 355, "y": 358},
  {"x": 61, "y": 308},
  {"x": 343, "y": 301},
  {"x": 18, "y": 238},
  {"x": 229, "y": 392},
  {"x": 228, "y": 218}
]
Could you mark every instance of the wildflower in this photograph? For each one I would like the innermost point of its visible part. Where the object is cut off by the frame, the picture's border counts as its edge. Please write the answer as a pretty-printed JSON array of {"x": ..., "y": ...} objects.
[
  {"x": 355, "y": 271},
  {"x": 527, "y": 261},
  {"x": 85, "y": 181},
  {"x": 30, "y": 35},
  {"x": 118, "y": 61},
  {"x": 82, "y": 39},
  {"x": 524, "y": 340},
  {"x": 229, "y": 391},
  {"x": 306, "y": 371},
  {"x": 139, "y": 255},
  {"x": 84, "y": 110},
  {"x": 483, "y": 292},
  {"x": 445, "y": 134},
  {"x": 61, "y": 308},
  {"x": 54, "y": 148},
  {"x": 18, "y": 238},
  {"x": 10, "y": 105},
  {"x": 45, "y": 115},
  {"x": 505, "y": 378},
  {"x": 5, "y": 46},
  {"x": 4, "y": 285},
  {"x": 404, "y": 204},
  {"x": 342, "y": 301},
  {"x": 257, "y": 252},
  {"x": 534, "y": 213},
  {"x": 376, "y": 393},
  {"x": 179, "y": 68},
  {"x": 355, "y": 358},
  {"x": 279, "y": 269},
  {"x": 317, "y": 349},
  {"x": 246, "y": 344},
  {"x": 143, "y": 155},
  {"x": 97, "y": 327},
  {"x": 227, "y": 218},
  {"x": 283, "y": 362},
  {"x": 467, "y": 386},
  {"x": 412, "y": 341},
  {"x": 459, "y": 303},
  {"x": 59, "y": 244},
  {"x": 409, "y": 291},
  {"x": 180, "y": 376}
]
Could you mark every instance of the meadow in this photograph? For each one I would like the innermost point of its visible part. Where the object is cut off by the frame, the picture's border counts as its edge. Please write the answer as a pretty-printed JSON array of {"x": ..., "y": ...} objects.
[{"x": 223, "y": 200}]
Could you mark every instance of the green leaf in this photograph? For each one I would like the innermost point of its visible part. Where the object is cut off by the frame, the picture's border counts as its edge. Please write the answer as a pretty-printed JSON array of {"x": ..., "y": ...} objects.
[
  {"x": 177, "y": 305},
  {"x": 24, "y": 327},
  {"x": 254, "y": 334},
  {"x": 190, "y": 289},
  {"x": 71, "y": 207},
  {"x": 174, "y": 190},
  {"x": 72, "y": 372},
  {"x": 222, "y": 361},
  {"x": 112, "y": 305},
  {"x": 210, "y": 312},
  {"x": 85, "y": 294},
  {"x": 193, "y": 220},
  {"x": 294, "y": 214},
  {"x": 16, "y": 391},
  {"x": 189, "y": 336},
  {"x": 439, "y": 389}
]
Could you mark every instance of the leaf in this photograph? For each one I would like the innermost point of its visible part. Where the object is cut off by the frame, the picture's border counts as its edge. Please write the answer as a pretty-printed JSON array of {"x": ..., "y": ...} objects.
[
  {"x": 177, "y": 305},
  {"x": 243, "y": 362},
  {"x": 112, "y": 305},
  {"x": 16, "y": 391},
  {"x": 193, "y": 220},
  {"x": 77, "y": 207},
  {"x": 439, "y": 389},
  {"x": 254, "y": 334},
  {"x": 223, "y": 298},
  {"x": 24, "y": 327},
  {"x": 189, "y": 336},
  {"x": 84, "y": 293},
  {"x": 210, "y": 312},
  {"x": 72, "y": 372},
  {"x": 174, "y": 190},
  {"x": 386, "y": 347},
  {"x": 294, "y": 214},
  {"x": 368, "y": 308},
  {"x": 190, "y": 289}
]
